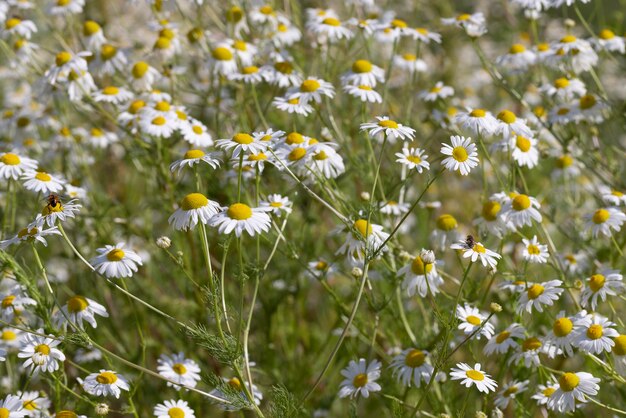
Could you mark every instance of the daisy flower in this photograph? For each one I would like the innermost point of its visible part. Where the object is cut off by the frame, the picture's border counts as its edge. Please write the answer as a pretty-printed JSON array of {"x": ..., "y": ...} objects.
[
  {"x": 410, "y": 63},
  {"x": 477, "y": 251},
  {"x": 521, "y": 210},
  {"x": 222, "y": 60},
  {"x": 603, "y": 220},
  {"x": 413, "y": 158},
  {"x": 66, "y": 7},
  {"x": 93, "y": 35},
  {"x": 181, "y": 370},
  {"x": 30, "y": 234},
  {"x": 564, "y": 89},
  {"x": 250, "y": 74},
  {"x": 240, "y": 217},
  {"x": 594, "y": 334},
  {"x": 235, "y": 384},
  {"x": 473, "y": 320},
  {"x": 601, "y": 285},
  {"x": 421, "y": 277},
  {"x": 518, "y": 58},
  {"x": 173, "y": 409},
  {"x": 619, "y": 354},
  {"x": 10, "y": 338},
  {"x": 508, "y": 393},
  {"x": 112, "y": 94},
  {"x": 609, "y": 42},
  {"x": 426, "y": 36},
  {"x": 479, "y": 121},
  {"x": 193, "y": 208},
  {"x": 18, "y": 27},
  {"x": 446, "y": 231},
  {"x": 439, "y": 91},
  {"x": 242, "y": 142},
  {"x": 65, "y": 63},
  {"x": 143, "y": 75},
  {"x": 311, "y": 89},
  {"x": 534, "y": 252},
  {"x": 330, "y": 28},
  {"x": 411, "y": 367},
  {"x": 573, "y": 387},
  {"x": 473, "y": 377},
  {"x": 40, "y": 353},
  {"x": 393, "y": 208},
  {"x": 363, "y": 73},
  {"x": 491, "y": 219},
  {"x": 462, "y": 155},
  {"x": 292, "y": 105},
  {"x": 196, "y": 134},
  {"x": 525, "y": 152},
  {"x": 13, "y": 166},
  {"x": 505, "y": 340},
  {"x": 562, "y": 332},
  {"x": 319, "y": 268},
  {"x": 113, "y": 261},
  {"x": 277, "y": 204},
  {"x": 34, "y": 403},
  {"x": 12, "y": 407},
  {"x": 389, "y": 128},
  {"x": 545, "y": 392},
  {"x": 101, "y": 139},
  {"x": 363, "y": 93},
  {"x": 611, "y": 196},
  {"x": 105, "y": 383},
  {"x": 538, "y": 295},
  {"x": 157, "y": 125},
  {"x": 326, "y": 161},
  {"x": 528, "y": 353},
  {"x": 193, "y": 157},
  {"x": 13, "y": 301},
  {"x": 509, "y": 124},
  {"x": 362, "y": 236},
  {"x": 42, "y": 182},
  {"x": 78, "y": 309},
  {"x": 55, "y": 210},
  {"x": 360, "y": 379}
]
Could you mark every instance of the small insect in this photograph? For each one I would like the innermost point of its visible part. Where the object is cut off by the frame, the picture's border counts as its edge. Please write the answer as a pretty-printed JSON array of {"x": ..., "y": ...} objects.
[
  {"x": 469, "y": 241},
  {"x": 53, "y": 200}
]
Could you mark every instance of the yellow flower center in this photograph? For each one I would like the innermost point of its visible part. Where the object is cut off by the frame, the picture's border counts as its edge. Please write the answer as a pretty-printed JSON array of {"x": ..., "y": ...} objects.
[
  {"x": 422, "y": 31},
  {"x": 321, "y": 265},
  {"x": 568, "y": 382},
  {"x": 135, "y": 106},
  {"x": 533, "y": 249},
  {"x": 257, "y": 157},
  {"x": 42, "y": 349},
  {"x": 167, "y": 34},
  {"x": 10, "y": 159},
  {"x": 4, "y": 413},
  {"x": 294, "y": 101},
  {"x": 8, "y": 335},
  {"x": 235, "y": 383},
  {"x": 460, "y": 154},
  {"x": 179, "y": 368},
  {"x": 568, "y": 39},
  {"x": 63, "y": 58},
  {"x": 193, "y": 154},
  {"x": 162, "y": 43},
  {"x": 7, "y": 302},
  {"x": 587, "y": 102},
  {"x": 562, "y": 327},
  {"x": 283, "y": 67},
  {"x": 159, "y": 121},
  {"x": 595, "y": 332},
  {"x": 193, "y": 201},
  {"x": 106, "y": 378},
  {"x": 222, "y": 54},
  {"x": 446, "y": 222},
  {"x": 107, "y": 52},
  {"x": 239, "y": 211},
  {"x": 11, "y": 23},
  {"x": 503, "y": 336},
  {"x": 362, "y": 66},
  {"x": 522, "y": 143},
  {"x": 309, "y": 86},
  {"x": 363, "y": 227},
  {"x": 415, "y": 358},
  {"x": 606, "y": 34},
  {"x": 320, "y": 156},
  {"x": 282, "y": 27},
  {"x": 479, "y": 248},
  {"x": 297, "y": 154},
  {"x": 294, "y": 138},
  {"x": 517, "y": 49},
  {"x": 66, "y": 414},
  {"x": 535, "y": 291},
  {"x": 531, "y": 343},
  {"x": 110, "y": 91},
  {"x": 399, "y": 23},
  {"x": 409, "y": 57},
  {"x": 510, "y": 391},
  {"x": 234, "y": 14},
  {"x": 564, "y": 161},
  {"x": 140, "y": 69},
  {"x": 521, "y": 202},
  {"x": 478, "y": 113},
  {"x": 96, "y": 132},
  {"x": 600, "y": 216},
  {"x": 507, "y": 116},
  {"x": 561, "y": 83},
  {"x": 359, "y": 380},
  {"x": 23, "y": 122},
  {"x": 90, "y": 28},
  {"x": 617, "y": 193},
  {"x": 419, "y": 268},
  {"x": 596, "y": 282},
  {"x": 63, "y": 2},
  {"x": 475, "y": 375},
  {"x": 250, "y": 70},
  {"x": 414, "y": 159},
  {"x": 115, "y": 255},
  {"x": 242, "y": 138},
  {"x": 547, "y": 392},
  {"x": 620, "y": 345},
  {"x": 388, "y": 124},
  {"x": 240, "y": 45},
  {"x": 77, "y": 303},
  {"x": 490, "y": 210},
  {"x": 176, "y": 412},
  {"x": 29, "y": 405},
  {"x": 41, "y": 176},
  {"x": 331, "y": 21},
  {"x": 474, "y": 320}
]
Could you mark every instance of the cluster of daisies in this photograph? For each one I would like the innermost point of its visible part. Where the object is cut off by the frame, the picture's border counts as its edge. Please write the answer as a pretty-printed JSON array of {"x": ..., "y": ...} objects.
[{"x": 260, "y": 115}]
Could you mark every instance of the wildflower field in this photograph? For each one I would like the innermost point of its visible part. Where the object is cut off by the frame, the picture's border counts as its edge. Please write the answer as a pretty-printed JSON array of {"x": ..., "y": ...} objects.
[{"x": 307, "y": 208}]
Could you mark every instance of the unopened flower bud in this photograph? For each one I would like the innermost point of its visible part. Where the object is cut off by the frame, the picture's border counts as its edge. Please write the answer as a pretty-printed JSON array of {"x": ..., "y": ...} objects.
[
  {"x": 480, "y": 414},
  {"x": 102, "y": 409},
  {"x": 496, "y": 413},
  {"x": 404, "y": 256},
  {"x": 365, "y": 196},
  {"x": 569, "y": 23},
  {"x": 578, "y": 284},
  {"x": 495, "y": 307},
  {"x": 163, "y": 242},
  {"x": 356, "y": 272},
  {"x": 427, "y": 256}
]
